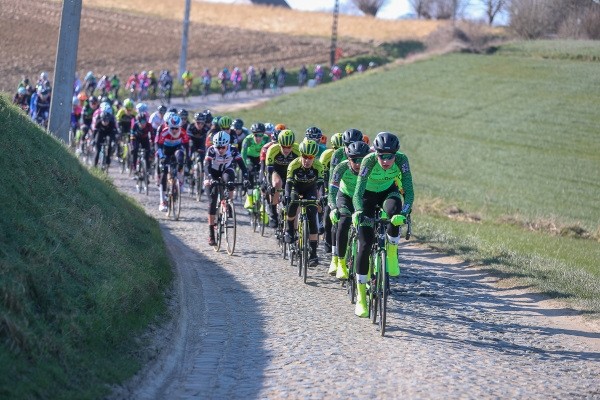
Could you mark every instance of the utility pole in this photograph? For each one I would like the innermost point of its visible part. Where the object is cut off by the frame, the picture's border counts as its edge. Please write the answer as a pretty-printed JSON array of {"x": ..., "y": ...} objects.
[
  {"x": 64, "y": 70},
  {"x": 336, "y": 12},
  {"x": 184, "y": 39}
]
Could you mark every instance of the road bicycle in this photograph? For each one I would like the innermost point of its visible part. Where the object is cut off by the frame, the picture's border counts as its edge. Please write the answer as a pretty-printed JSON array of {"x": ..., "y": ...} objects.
[
  {"x": 226, "y": 217},
  {"x": 173, "y": 192},
  {"x": 141, "y": 172},
  {"x": 300, "y": 248},
  {"x": 351, "y": 252},
  {"x": 104, "y": 155},
  {"x": 257, "y": 213},
  {"x": 379, "y": 288},
  {"x": 187, "y": 87}
]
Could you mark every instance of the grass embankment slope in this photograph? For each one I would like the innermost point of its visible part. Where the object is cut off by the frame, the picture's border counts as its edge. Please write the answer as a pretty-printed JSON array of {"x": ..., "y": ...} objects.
[
  {"x": 82, "y": 270},
  {"x": 504, "y": 151}
]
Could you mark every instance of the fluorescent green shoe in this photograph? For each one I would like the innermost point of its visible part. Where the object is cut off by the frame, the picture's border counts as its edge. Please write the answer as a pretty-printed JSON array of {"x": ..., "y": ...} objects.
[
  {"x": 392, "y": 258},
  {"x": 361, "y": 309},
  {"x": 249, "y": 202},
  {"x": 342, "y": 270},
  {"x": 264, "y": 217},
  {"x": 333, "y": 267}
]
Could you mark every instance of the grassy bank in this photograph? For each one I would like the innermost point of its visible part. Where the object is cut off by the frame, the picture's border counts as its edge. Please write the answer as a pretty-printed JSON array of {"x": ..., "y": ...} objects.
[
  {"x": 82, "y": 270},
  {"x": 504, "y": 148}
]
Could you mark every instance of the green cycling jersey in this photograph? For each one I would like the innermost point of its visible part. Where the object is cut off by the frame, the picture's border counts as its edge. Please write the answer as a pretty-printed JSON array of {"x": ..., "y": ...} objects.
[
  {"x": 373, "y": 178},
  {"x": 343, "y": 179},
  {"x": 338, "y": 156},
  {"x": 252, "y": 149}
]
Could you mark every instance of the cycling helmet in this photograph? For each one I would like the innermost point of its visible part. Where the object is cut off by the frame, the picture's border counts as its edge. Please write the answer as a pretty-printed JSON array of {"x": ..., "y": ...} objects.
[
  {"x": 141, "y": 108},
  {"x": 238, "y": 124},
  {"x": 105, "y": 116},
  {"x": 386, "y": 142},
  {"x": 221, "y": 138},
  {"x": 309, "y": 147},
  {"x": 173, "y": 110},
  {"x": 225, "y": 122},
  {"x": 366, "y": 139},
  {"x": 93, "y": 99},
  {"x": 174, "y": 121},
  {"x": 280, "y": 127},
  {"x": 44, "y": 76},
  {"x": 128, "y": 104},
  {"x": 275, "y": 136},
  {"x": 209, "y": 116},
  {"x": 286, "y": 137},
  {"x": 358, "y": 150},
  {"x": 215, "y": 121},
  {"x": 257, "y": 127},
  {"x": 183, "y": 113},
  {"x": 336, "y": 141},
  {"x": 324, "y": 139},
  {"x": 21, "y": 91},
  {"x": 117, "y": 104},
  {"x": 161, "y": 109},
  {"x": 200, "y": 117},
  {"x": 351, "y": 136},
  {"x": 81, "y": 96},
  {"x": 106, "y": 107},
  {"x": 269, "y": 128},
  {"x": 314, "y": 133},
  {"x": 45, "y": 91}
]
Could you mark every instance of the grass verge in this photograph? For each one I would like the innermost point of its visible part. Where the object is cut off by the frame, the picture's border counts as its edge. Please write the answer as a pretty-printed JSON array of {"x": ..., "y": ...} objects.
[
  {"x": 82, "y": 272},
  {"x": 512, "y": 140}
]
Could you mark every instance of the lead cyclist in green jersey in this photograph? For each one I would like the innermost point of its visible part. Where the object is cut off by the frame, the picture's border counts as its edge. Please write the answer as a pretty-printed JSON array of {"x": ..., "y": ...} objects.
[
  {"x": 376, "y": 187},
  {"x": 251, "y": 147}
]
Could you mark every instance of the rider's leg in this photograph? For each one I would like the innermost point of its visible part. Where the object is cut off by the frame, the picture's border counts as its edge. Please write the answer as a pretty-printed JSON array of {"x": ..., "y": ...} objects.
[{"x": 392, "y": 206}]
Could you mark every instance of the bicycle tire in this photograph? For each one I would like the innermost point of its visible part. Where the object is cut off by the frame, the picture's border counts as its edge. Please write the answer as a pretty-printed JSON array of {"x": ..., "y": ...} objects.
[
  {"x": 306, "y": 246},
  {"x": 383, "y": 293},
  {"x": 145, "y": 178},
  {"x": 350, "y": 255},
  {"x": 300, "y": 245},
  {"x": 219, "y": 227},
  {"x": 199, "y": 178},
  {"x": 230, "y": 229},
  {"x": 176, "y": 199},
  {"x": 264, "y": 209},
  {"x": 374, "y": 294}
]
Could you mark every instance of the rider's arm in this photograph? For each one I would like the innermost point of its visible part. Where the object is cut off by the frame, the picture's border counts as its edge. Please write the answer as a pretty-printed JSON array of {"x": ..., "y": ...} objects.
[
  {"x": 407, "y": 185},
  {"x": 363, "y": 176},
  {"x": 270, "y": 160},
  {"x": 245, "y": 144},
  {"x": 291, "y": 176},
  {"x": 334, "y": 184}
]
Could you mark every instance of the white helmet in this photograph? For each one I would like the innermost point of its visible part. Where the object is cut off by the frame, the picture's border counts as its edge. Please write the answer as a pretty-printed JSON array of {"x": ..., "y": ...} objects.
[{"x": 221, "y": 138}]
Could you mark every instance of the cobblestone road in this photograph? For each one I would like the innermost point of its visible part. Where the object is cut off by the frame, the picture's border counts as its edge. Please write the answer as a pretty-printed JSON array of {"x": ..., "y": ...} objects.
[{"x": 245, "y": 326}]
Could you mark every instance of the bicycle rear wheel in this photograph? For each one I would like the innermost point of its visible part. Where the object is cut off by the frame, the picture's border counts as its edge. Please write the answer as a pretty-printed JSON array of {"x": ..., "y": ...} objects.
[
  {"x": 305, "y": 249},
  {"x": 373, "y": 291},
  {"x": 219, "y": 227},
  {"x": 198, "y": 178},
  {"x": 350, "y": 256},
  {"x": 263, "y": 212},
  {"x": 176, "y": 199},
  {"x": 230, "y": 229},
  {"x": 145, "y": 177},
  {"x": 382, "y": 291},
  {"x": 301, "y": 245}
]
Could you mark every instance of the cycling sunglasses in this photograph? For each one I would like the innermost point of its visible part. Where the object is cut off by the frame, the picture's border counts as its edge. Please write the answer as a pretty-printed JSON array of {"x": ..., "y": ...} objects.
[
  {"x": 286, "y": 147},
  {"x": 174, "y": 129},
  {"x": 386, "y": 156},
  {"x": 259, "y": 134},
  {"x": 356, "y": 160},
  {"x": 221, "y": 147},
  {"x": 308, "y": 156}
]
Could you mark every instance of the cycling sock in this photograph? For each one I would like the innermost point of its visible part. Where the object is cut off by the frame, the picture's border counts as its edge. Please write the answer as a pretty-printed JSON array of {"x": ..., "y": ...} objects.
[
  {"x": 361, "y": 279},
  {"x": 333, "y": 267},
  {"x": 391, "y": 248}
]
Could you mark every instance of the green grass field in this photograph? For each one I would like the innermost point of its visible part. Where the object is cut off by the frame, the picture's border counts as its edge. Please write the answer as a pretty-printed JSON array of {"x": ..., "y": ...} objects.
[
  {"x": 82, "y": 271},
  {"x": 512, "y": 140}
]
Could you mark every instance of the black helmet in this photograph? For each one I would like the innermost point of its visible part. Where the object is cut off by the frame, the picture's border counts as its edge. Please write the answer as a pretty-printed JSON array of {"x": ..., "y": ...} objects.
[
  {"x": 351, "y": 136},
  {"x": 386, "y": 142},
  {"x": 208, "y": 115},
  {"x": 93, "y": 99},
  {"x": 358, "y": 149},
  {"x": 183, "y": 113},
  {"x": 200, "y": 117},
  {"x": 162, "y": 109},
  {"x": 314, "y": 133},
  {"x": 258, "y": 127},
  {"x": 173, "y": 110},
  {"x": 237, "y": 124},
  {"x": 105, "y": 116}
]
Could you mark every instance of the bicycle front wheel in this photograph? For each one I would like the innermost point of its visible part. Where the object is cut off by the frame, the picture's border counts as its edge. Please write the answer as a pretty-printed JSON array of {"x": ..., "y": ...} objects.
[
  {"x": 230, "y": 229},
  {"x": 219, "y": 228},
  {"x": 176, "y": 199},
  {"x": 373, "y": 291},
  {"x": 145, "y": 178},
  {"x": 300, "y": 246},
  {"x": 382, "y": 291},
  {"x": 350, "y": 255}
]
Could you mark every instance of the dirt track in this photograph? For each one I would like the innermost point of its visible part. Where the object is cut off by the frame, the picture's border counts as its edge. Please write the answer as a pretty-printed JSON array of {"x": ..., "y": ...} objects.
[
  {"x": 121, "y": 43},
  {"x": 245, "y": 326}
]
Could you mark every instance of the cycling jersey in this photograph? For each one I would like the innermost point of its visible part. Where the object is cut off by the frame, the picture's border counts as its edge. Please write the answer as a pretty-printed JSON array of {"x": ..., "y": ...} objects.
[
  {"x": 325, "y": 159},
  {"x": 198, "y": 138},
  {"x": 124, "y": 120},
  {"x": 302, "y": 178},
  {"x": 343, "y": 179},
  {"x": 252, "y": 149},
  {"x": 215, "y": 162},
  {"x": 338, "y": 156},
  {"x": 276, "y": 161},
  {"x": 373, "y": 178}
]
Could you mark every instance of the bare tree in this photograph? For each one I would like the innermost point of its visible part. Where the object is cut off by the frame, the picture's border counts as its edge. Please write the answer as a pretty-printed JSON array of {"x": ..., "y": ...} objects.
[
  {"x": 421, "y": 8},
  {"x": 369, "y": 7},
  {"x": 439, "y": 9},
  {"x": 492, "y": 8}
]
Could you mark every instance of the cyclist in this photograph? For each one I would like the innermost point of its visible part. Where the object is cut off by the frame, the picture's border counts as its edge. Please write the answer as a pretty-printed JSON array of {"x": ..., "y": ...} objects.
[
  {"x": 197, "y": 133},
  {"x": 90, "y": 106},
  {"x": 341, "y": 190},
  {"x": 42, "y": 105},
  {"x": 278, "y": 157},
  {"x": 169, "y": 146},
  {"x": 183, "y": 114},
  {"x": 251, "y": 147},
  {"x": 188, "y": 79},
  {"x": 348, "y": 137},
  {"x": 325, "y": 159},
  {"x": 236, "y": 79},
  {"x": 219, "y": 165},
  {"x": 140, "y": 136},
  {"x": 156, "y": 119},
  {"x": 273, "y": 134},
  {"x": 165, "y": 82},
  {"x": 21, "y": 99},
  {"x": 206, "y": 80},
  {"x": 104, "y": 127},
  {"x": 125, "y": 117},
  {"x": 304, "y": 180},
  {"x": 376, "y": 186}
]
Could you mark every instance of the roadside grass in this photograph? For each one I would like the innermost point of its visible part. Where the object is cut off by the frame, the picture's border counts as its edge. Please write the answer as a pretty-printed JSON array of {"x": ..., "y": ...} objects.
[
  {"x": 511, "y": 140},
  {"x": 583, "y": 50},
  {"x": 83, "y": 270}
]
